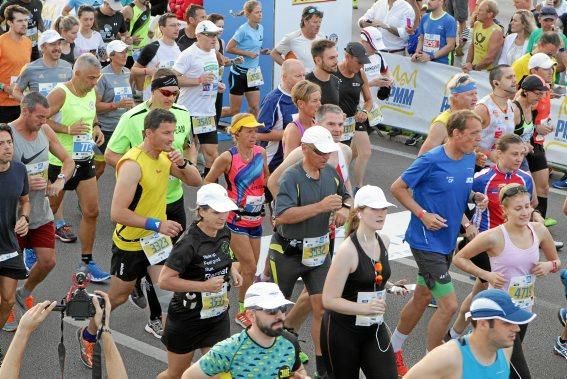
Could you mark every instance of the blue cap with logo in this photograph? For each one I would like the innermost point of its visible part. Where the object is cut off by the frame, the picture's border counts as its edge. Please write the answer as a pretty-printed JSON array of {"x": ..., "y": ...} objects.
[{"x": 495, "y": 303}]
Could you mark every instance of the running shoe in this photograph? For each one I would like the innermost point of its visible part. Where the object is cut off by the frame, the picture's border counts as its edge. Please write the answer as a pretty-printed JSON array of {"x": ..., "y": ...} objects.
[
  {"x": 432, "y": 303},
  {"x": 560, "y": 348},
  {"x": 558, "y": 245},
  {"x": 97, "y": 274},
  {"x": 155, "y": 328},
  {"x": 303, "y": 357},
  {"x": 11, "y": 323},
  {"x": 400, "y": 365},
  {"x": 242, "y": 320},
  {"x": 413, "y": 140},
  {"x": 563, "y": 276},
  {"x": 137, "y": 296},
  {"x": 86, "y": 348},
  {"x": 25, "y": 302},
  {"x": 563, "y": 316},
  {"x": 65, "y": 234},
  {"x": 549, "y": 222},
  {"x": 29, "y": 258},
  {"x": 560, "y": 184}
]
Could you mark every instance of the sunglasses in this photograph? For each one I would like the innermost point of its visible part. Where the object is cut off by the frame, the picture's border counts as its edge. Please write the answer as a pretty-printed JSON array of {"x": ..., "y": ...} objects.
[
  {"x": 378, "y": 273},
  {"x": 311, "y": 10},
  {"x": 514, "y": 191},
  {"x": 316, "y": 151},
  {"x": 210, "y": 35},
  {"x": 168, "y": 93},
  {"x": 275, "y": 311}
]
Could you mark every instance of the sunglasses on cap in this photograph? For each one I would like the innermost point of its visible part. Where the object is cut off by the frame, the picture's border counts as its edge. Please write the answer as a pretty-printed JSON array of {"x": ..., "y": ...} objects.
[
  {"x": 514, "y": 191},
  {"x": 310, "y": 10},
  {"x": 210, "y": 35},
  {"x": 275, "y": 311},
  {"x": 168, "y": 93}
]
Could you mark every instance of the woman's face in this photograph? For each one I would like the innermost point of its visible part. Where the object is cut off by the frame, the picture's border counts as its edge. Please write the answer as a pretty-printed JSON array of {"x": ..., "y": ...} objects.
[
  {"x": 255, "y": 15},
  {"x": 373, "y": 218},
  {"x": 312, "y": 105},
  {"x": 518, "y": 209},
  {"x": 213, "y": 219},
  {"x": 512, "y": 158},
  {"x": 87, "y": 20},
  {"x": 71, "y": 34},
  {"x": 516, "y": 24},
  {"x": 246, "y": 137},
  {"x": 220, "y": 24}
]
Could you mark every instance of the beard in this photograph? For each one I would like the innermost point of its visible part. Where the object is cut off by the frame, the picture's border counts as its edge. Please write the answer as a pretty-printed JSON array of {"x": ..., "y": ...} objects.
[{"x": 267, "y": 330}]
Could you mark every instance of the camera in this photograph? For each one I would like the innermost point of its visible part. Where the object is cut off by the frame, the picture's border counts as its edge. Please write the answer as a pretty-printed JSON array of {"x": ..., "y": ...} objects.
[{"x": 78, "y": 303}]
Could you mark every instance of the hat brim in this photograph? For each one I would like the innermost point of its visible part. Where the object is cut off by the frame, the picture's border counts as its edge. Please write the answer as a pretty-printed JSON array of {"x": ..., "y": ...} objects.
[
  {"x": 326, "y": 147},
  {"x": 379, "y": 205},
  {"x": 519, "y": 317},
  {"x": 362, "y": 59},
  {"x": 271, "y": 303},
  {"x": 224, "y": 205},
  {"x": 51, "y": 41}
]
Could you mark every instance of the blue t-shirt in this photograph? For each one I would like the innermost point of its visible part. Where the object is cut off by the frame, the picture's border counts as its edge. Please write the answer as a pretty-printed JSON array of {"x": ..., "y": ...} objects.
[
  {"x": 249, "y": 39},
  {"x": 435, "y": 33},
  {"x": 440, "y": 185}
]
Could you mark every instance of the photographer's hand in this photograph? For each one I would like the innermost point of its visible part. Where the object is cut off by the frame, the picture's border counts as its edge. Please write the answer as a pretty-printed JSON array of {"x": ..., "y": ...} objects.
[{"x": 99, "y": 311}]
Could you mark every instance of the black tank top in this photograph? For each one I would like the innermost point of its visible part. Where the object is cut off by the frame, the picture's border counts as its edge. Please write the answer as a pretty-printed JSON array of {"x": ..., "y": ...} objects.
[{"x": 350, "y": 89}]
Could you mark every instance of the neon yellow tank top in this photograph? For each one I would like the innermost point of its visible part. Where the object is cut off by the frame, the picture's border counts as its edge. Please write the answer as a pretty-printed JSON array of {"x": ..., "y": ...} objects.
[
  {"x": 75, "y": 109},
  {"x": 140, "y": 17},
  {"x": 149, "y": 199}
]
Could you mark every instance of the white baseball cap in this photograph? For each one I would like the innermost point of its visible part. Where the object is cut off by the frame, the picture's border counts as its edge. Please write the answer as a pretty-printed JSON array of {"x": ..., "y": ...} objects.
[
  {"x": 373, "y": 36},
  {"x": 115, "y": 5},
  {"x": 214, "y": 195},
  {"x": 116, "y": 46},
  {"x": 49, "y": 36},
  {"x": 321, "y": 138},
  {"x": 207, "y": 26},
  {"x": 541, "y": 60},
  {"x": 372, "y": 197},
  {"x": 265, "y": 295}
]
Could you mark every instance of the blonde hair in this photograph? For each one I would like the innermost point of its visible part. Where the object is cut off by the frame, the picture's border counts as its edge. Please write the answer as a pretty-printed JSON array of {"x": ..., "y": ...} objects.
[
  {"x": 237, "y": 117},
  {"x": 302, "y": 90},
  {"x": 527, "y": 20},
  {"x": 65, "y": 23},
  {"x": 502, "y": 193},
  {"x": 249, "y": 6},
  {"x": 353, "y": 221}
]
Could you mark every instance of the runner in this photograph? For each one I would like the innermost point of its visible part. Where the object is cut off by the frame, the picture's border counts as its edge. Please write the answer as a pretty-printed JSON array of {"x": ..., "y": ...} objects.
[
  {"x": 194, "y": 14},
  {"x": 199, "y": 270},
  {"x": 513, "y": 249},
  {"x": 263, "y": 350},
  {"x": 88, "y": 39},
  {"x": 110, "y": 22},
  {"x": 138, "y": 16},
  {"x": 158, "y": 54},
  {"x": 307, "y": 98},
  {"x": 441, "y": 181},
  {"x": 485, "y": 353},
  {"x": 68, "y": 28},
  {"x": 300, "y": 245},
  {"x": 488, "y": 38},
  {"x": 354, "y": 86},
  {"x": 246, "y": 172},
  {"x": 246, "y": 78},
  {"x": 114, "y": 95},
  {"x": 33, "y": 140},
  {"x": 326, "y": 58},
  {"x": 142, "y": 237},
  {"x": 277, "y": 110},
  {"x": 72, "y": 116},
  {"x": 353, "y": 333},
  {"x": 377, "y": 70},
  {"x": 35, "y": 22},
  {"x": 199, "y": 77},
  {"x": 19, "y": 47}
]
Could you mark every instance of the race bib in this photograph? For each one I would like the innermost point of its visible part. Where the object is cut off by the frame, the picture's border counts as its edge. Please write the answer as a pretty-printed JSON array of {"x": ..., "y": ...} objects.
[
  {"x": 122, "y": 93},
  {"x": 348, "y": 129},
  {"x": 366, "y": 297},
  {"x": 166, "y": 64},
  {"x": 83, "y": 146},
  {"x": 210, "y": 89},
  {"x": 521, "y": 290},
  {"x": 375, "y": 115},
  {"x": 38, "y": 169},
  {"x": 204, "y": 124},
  {"x": 254, "y": 204},
  {"x": 45, "y": 88},
  {"x": 315, "y": 250},
  {"x": 156, "y": 247},
  {"x": 214, "y": 303},
  {"x": 254, "y": 77},
  {"x": 431, "y": 43}
]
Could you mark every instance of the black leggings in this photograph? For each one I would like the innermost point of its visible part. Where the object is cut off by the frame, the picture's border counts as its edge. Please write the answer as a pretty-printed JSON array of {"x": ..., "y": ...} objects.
[
  {"x": 346, "y": 350},
  {"x": 518, "y": 361}
]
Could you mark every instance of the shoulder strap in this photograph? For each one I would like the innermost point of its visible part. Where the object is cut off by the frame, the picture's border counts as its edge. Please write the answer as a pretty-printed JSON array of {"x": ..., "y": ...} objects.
[{"x": 140, "y": 21}]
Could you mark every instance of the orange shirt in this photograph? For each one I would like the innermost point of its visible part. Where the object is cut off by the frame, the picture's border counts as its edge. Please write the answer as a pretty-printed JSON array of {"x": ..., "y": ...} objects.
[{"x": 14, "y": 55}]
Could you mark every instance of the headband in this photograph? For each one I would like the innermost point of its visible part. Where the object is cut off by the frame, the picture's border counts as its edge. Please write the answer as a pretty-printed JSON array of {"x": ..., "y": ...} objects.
[
  {"x": 164, "y": 81},
  {"x": 464, "y": 88},
  {"x": 245, "y": 122}
]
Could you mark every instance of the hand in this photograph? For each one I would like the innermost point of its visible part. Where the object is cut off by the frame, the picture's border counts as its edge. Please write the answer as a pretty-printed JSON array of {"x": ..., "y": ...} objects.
[
  {"x": 236, "y": 277},
  {"x": 374, "y": 307},
  {"x": 341, "y": 216},
  {"x": 35, "y": 316},
  {"x": 221, "y": 88},
  {"x": 379, "y": 24},
  {"x": 381, "y": 82},
  {"x": 331, "y": 203},
  {"x": 136, "y": 40},
  {"x": 54, "y": 188},
  {"x": 528, "y": 148},
  {"x": 238, "y": 60},
  {"x": 542, "y": 268},
  {"x": 99, "y": 310},
  {"x": 21, "y": 227},
  {"x": 79, "y": 128},
  {"x": 471, "y": 231},
  {"x": 37, "y": 183},
  {"x": 207, "y": 78},
  {"x": 410, "y": 31},
  {"x": 213, "y": 284},
  {"x": 252, "y": 55},
  {"x": 125, "y": 103},
  {"x": 98, "y": 137},
  {"x": 544, "y": 128},
  {"x": 467, "y": 67},
  {"x": 170, "y": 228},
  {"x": 398, "y": 287},
  {"x": 176, "y": 158},
  {"x": 480, "y": 159},
  {"x": 360, "y": 116},
  {"x": 495, "y": 279},
  {"x": 422, "y": 57},
  {"x": 265, "y": 51},
  {"x": 433, "y": 221},
  {"x": 481, "y": 200},
  {"x": 128, "y": 40}
]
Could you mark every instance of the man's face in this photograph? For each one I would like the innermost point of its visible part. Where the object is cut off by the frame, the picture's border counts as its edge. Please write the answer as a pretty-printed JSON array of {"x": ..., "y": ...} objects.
[
  {"x": 508, "y": 81},
  {"x": 483, "y": 13},
  {"x": 35, "y": 118},
  {"x": 502, "y": 334},
  {"x": 313, "y": 25},
  {"x": 88, "y": 78},
  {"x": 314, "y": 157},
  {"x": 547, "y": 23},
  {"x": 270, "y": 325},
  {"x": 434, "y": 4},
  {"x": 52, "y": 50},
  {"x": 200, "y": 15},
  {"x": 465, "y": 100},
  {"x": 120, "y": 57},
  {"x": 161, "y": 139},
  {"x": 545, "y": 73},
  {"x": 294, "y": 75},
  {"x": 468, "y": 139},
  {"x": 523, "y": 4},
  {"x": 171, "y": 28},
  {"x": 165, "y": 97},
  {"x": 6, "y": 147},
  {"x": 329, "y": 60},
  {"x": 20, "y": 24},
  {"x": 333, "y": 122},
  {"x": 549, "y": 49},
  {"x": 207, "y": 41}
]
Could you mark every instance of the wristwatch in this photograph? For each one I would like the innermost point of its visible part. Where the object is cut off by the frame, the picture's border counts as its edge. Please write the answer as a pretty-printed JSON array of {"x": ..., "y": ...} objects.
[
  {"x": 62, "y": 176},
  {"x": 185, "y": 163}
]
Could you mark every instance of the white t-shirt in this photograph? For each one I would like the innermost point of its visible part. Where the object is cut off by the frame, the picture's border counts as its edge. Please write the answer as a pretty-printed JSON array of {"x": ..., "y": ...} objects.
[
  {"x": 300, "y": 46},
  {"x": 94, "y": 44},
  {"x": 192, "y": 63},
  {"x": 373, "y": 70},
  {"x": 164, "y": 57}
]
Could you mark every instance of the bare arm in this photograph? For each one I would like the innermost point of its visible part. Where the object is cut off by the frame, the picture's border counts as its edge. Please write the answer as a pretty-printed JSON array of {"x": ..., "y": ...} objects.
[
  {"x": 17, "y": 92},
  {"x": 220, "y": 166},
  {"x": 185, "y": 81},
  {"x": 169, "y": 280},
  {"x": 436, "y": 137},
  {"x": 272, "y": 135},
  {"x": 277, "y": 57},
  {"x": 111, "y": 157},
  {"x": 56, "y": 99},
  {"x": 66, "y": 10},
  {"x": 291, "y": 139},
  {"x": 114, "y": 363},
  {"x": 496, "y": 41},
  {"x": 189, "y": 175},
  {"x": 195, "y": 372},
  {"x": 232, "y": 49},
  {"x": 59, "y": 151},
  {"x": 444, "y": 361}
]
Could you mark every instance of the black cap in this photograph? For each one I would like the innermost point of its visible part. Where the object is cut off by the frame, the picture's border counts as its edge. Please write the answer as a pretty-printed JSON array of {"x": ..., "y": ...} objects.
[
  {"x": 311, "y": 10},
  {"x": 548, "y": 11},
  {"x": 358, "y": 51},
  {"x": 534, "y": 83}
]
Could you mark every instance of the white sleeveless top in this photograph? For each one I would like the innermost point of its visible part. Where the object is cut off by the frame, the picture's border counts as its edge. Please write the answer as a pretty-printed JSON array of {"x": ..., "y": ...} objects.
[{"x": 500, "y": 123}]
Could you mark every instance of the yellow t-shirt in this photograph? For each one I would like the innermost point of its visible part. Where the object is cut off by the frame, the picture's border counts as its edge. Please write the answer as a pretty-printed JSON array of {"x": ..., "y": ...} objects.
[
  {"x": 481, "y": 40},
  {"x": 442, "y": 118}
]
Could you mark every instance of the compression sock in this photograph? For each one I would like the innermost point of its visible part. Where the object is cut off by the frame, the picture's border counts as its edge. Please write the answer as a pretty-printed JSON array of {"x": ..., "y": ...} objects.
[
  {"x": 241, "y": 307},
  {"x": 454, "y": 334},
  {"x": 59, "y": 223},
  {"x": 86, "y": 258},
  {"x": 398, "y": 340},
  {"x": 153, "y": 302},
  {"x": 320, "y": 365},
  {"x": 88, "y": 337},
  {"x": 542, "y": 206}
]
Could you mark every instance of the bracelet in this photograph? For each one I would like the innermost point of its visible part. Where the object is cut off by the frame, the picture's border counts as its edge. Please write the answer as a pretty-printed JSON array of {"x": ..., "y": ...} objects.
[
  {"x": 185, "y": 163},
  {"x": 152, "y": 224},
  {"x": 421, "y": 214}
]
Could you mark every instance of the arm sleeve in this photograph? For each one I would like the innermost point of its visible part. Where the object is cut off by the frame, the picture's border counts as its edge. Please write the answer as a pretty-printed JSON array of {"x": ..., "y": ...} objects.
[
  {"x": 24, "y": 79},
  {"x": 409, "y": 13},
  {"x": 287, "y": 196},
  {"x": 284, "y": 46},
  {"x": 217, "y": 360},
  {"x": 418, "y": 169},
  {"x": 183, "y": 63},
  {"x": 181, "y": 256},
  {"x": 148, "y": 53},
  {"x": 238, "y": 36}
]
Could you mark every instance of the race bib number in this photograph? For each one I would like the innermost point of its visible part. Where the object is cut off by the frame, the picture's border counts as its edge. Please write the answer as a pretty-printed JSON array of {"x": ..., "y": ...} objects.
[
  {"x": 366, "y": 297},
  {"x": 156, "y": 247},
  {"x": 38, "y": 169},
  {"x": 32, "y": 34},
  {"x": 521, "y": 290},
  {"x": 214, "y": 303},
  {"x": 315, "y": 251},
  {"x": 204, "y": 124},
  {"x": 122, "y": 93},
  {"x": 375, "y": 116},
  {"x": 348, "y": 129},
  {"x": 167, "y": 64},
  {"x": 45, "y": 88},
  {"x": 254, "y": 204},
  {"x": 254, "y": 77},
  {"x": 210, "y": 89},
  {"x": 431, "y": 43},
  {"x": 83, "y": 146}
]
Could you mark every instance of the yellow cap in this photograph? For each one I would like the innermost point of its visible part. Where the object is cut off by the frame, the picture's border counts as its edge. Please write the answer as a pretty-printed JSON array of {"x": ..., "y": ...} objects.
[{"x": 245, "y": 122}]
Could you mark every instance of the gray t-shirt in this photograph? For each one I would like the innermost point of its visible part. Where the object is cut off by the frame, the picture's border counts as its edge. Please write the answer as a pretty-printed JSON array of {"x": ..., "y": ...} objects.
[
  {"x": 35, "y": 156},
  {"x": 38, "y": 77},
  {"x": 14, "y": 184},
  {"x": 297, "y": 189},
  {"x": 112, "y": 88}
]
